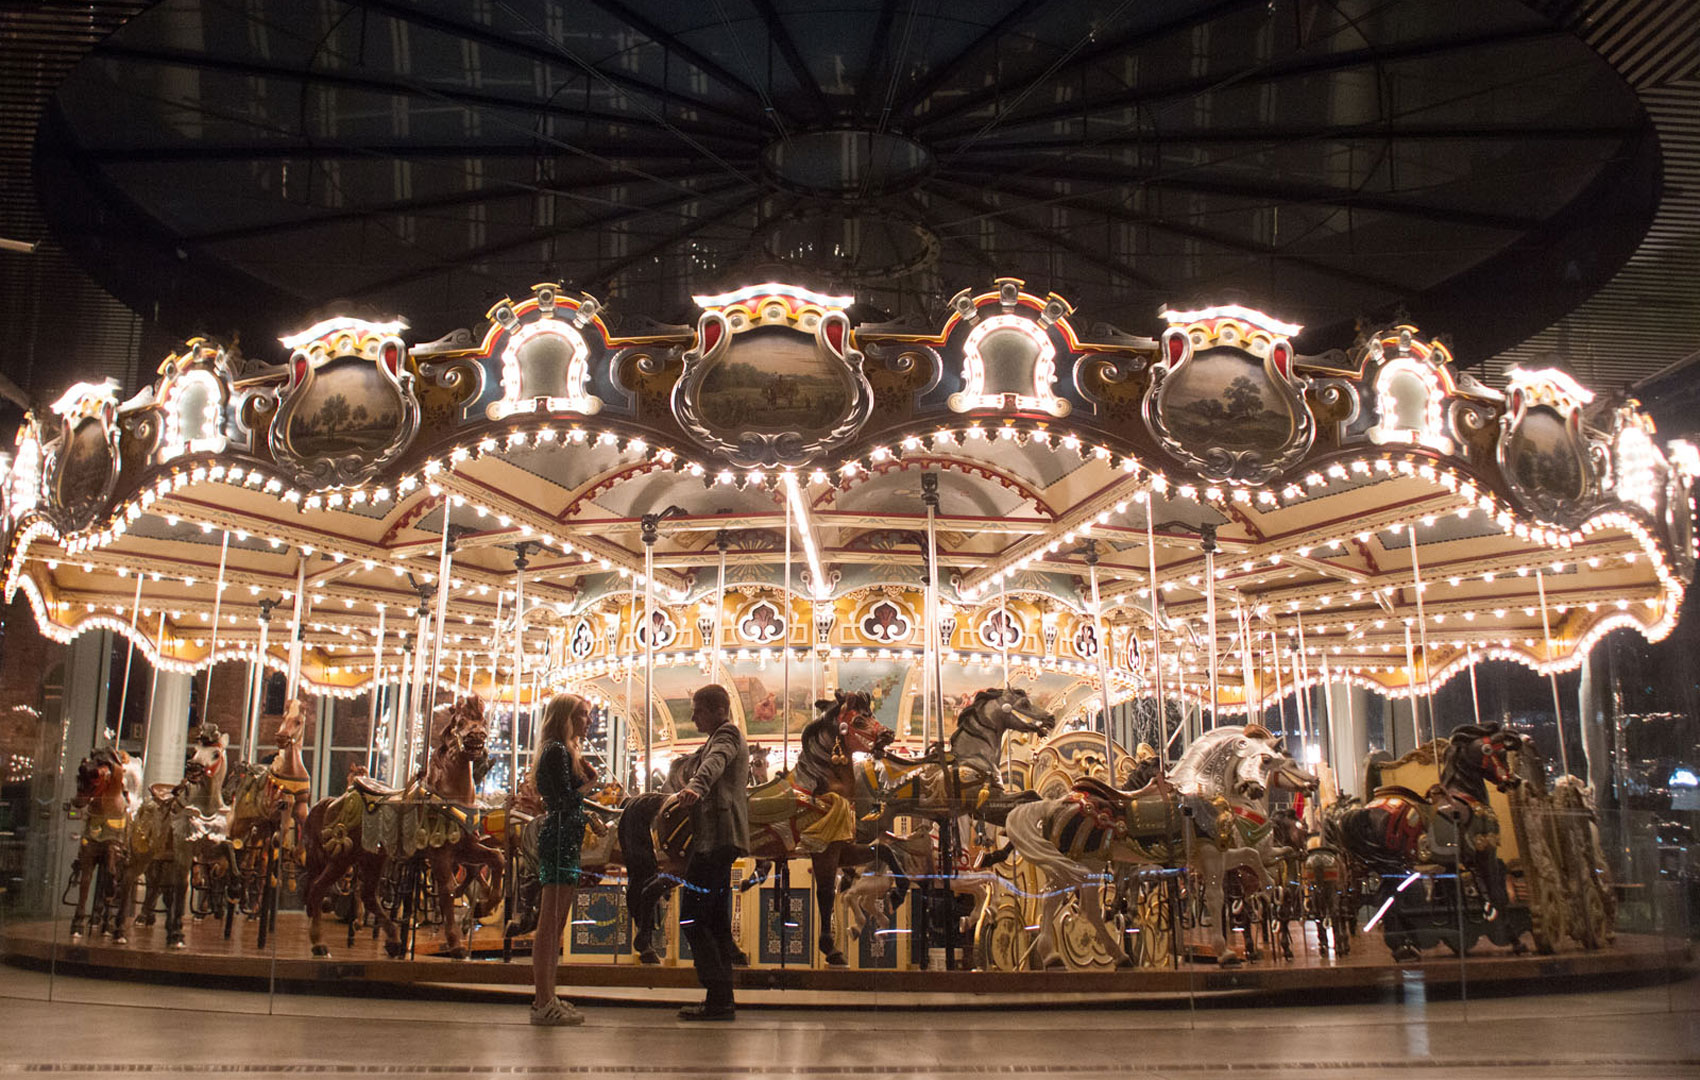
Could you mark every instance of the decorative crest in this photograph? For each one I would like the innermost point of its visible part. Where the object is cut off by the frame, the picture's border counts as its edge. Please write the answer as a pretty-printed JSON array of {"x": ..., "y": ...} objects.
[
  {"x": 774, "y": 379},
  {"x": 349, "y": 407},
  {"x": 1224, "y": 399}
]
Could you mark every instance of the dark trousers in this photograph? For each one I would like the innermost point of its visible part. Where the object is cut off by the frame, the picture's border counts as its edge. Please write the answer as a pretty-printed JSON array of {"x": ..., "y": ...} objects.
[{"x": 705, "y": 916}]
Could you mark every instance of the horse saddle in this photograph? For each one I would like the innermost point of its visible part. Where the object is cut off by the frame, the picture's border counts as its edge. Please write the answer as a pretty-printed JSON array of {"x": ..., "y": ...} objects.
[
  {"x": 1150, "y": 811},
  {"x": 372, "y": 789}
]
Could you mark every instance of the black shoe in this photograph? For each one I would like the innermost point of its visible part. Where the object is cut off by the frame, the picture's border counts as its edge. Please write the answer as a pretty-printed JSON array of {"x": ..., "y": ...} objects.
[{"x": 709, "y": 1012}]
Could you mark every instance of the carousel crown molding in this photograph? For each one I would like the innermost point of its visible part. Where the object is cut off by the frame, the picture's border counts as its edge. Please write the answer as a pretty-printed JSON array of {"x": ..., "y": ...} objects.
[{"x": 1476, "y": 451}]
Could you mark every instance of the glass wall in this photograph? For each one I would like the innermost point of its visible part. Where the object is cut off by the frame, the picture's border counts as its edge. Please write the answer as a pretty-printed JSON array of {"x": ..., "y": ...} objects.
[{"x": 1606, "y": 897}]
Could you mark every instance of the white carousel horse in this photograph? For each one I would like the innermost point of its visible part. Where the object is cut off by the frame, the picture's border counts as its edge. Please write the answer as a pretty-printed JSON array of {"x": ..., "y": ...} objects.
[{"x": 1221, "y": 783}]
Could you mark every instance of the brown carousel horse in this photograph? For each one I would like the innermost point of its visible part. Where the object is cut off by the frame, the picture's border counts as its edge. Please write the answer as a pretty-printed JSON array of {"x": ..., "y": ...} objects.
[
  {"x": 109, "y": 788},
  {"x": 518, "y": 828},
  {"x": 269, "y": 813},
  {"x": 438, "y": 818},
  {"x": 809, "y": 812}
]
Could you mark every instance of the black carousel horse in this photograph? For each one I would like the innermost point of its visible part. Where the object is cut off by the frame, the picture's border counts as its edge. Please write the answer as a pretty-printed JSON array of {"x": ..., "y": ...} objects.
[
  {"x": 808, "y": 812},
  {"x": 1398, "y": 831}
]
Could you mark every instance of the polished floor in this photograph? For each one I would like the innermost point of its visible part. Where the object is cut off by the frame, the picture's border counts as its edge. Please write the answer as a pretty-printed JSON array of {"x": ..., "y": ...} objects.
[{"x": 81, "y": 1027}]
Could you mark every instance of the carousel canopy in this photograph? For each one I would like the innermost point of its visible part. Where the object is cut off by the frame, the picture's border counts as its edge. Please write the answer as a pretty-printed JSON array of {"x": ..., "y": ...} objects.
[{"x": 777, "y": 476}]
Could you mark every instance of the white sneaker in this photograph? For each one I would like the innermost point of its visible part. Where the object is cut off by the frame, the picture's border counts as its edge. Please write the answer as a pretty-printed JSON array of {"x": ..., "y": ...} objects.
[{"x": 556, "y": 1013}]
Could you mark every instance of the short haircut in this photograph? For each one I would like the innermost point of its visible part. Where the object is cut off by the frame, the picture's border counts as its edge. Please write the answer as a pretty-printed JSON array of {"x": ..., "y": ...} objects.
[{"x": 713, "y": 696}]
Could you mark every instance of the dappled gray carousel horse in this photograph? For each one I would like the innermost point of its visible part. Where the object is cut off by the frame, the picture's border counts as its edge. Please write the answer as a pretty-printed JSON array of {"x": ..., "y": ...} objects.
[
  {"x": 1221, "y": 783},
  {"x": 966, "y": 778}
]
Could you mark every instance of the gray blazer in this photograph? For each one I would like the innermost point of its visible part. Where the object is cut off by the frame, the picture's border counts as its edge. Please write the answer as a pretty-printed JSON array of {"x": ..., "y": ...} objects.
[{"x": 720, "y": 775}]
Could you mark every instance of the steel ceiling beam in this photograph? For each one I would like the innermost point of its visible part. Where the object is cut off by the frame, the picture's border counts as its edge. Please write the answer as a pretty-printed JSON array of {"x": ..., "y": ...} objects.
[
  {"x": 1296, "y": 67},
  {"x": 941, "y": 74},
  {"x": 1230, "y": 243},
  {"x": 412, "y": 206},
  {"x": 1376, "y": 131},
  {"x": 535, "y": 236},
  {"x": 780, "y": 36},
  {"x": 971, "y": 198},
  {"x": 279, "y": 149},
  {"x": 1269, "y": 190},
  {"x": 352, "y": 80},
  {"x": 1088, "y": 57},
  {"x": 605, "y": 274},
  {"x": 670, "y": 42},
  {"x": 876, "y": 57},
  {"x": 558, "y": 56}
]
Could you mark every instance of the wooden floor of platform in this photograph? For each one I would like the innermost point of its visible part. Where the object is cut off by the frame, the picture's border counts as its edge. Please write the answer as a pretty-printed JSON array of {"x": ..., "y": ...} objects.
[{"x": 239, "y": 962}]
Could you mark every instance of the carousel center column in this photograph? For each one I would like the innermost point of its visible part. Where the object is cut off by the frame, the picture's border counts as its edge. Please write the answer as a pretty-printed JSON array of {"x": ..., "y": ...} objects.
[
  {"x": 1353, "y": 706},
  {"x": 168, "y": 728}
]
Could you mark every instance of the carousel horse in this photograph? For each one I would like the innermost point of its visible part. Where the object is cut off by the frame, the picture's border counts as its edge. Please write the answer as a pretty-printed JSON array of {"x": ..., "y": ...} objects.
[
  {"x": 761, "y": 771},
  {"x": 109, "y": 788},
  {"x": 901, "y": 863},
  {"x": 269, "y": 806},
  {"x": 182, "y": 828},
  {"x": 1398, "y": 830},
  {"x": 809, "y": 812},
  {"x": 1220, "y": 785},
  {"x": 968, "y": 777},
  {"x": 520, "y": 827},
  {"x": 437, "y": 818},
  {"x": 1319, "y": 875}
]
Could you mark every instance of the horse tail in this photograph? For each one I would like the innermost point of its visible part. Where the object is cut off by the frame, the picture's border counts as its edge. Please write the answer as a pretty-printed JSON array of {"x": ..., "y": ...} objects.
[
  {"x": 313, "y": 842},
  {"x": 132, "y": 784},
  {"x": 1026, "y": 831},
  {"x": 998, "y": 856}
]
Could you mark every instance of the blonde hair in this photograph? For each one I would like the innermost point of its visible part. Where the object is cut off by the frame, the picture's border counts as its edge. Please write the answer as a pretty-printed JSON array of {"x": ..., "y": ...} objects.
[{"x": 557, "y": 716}]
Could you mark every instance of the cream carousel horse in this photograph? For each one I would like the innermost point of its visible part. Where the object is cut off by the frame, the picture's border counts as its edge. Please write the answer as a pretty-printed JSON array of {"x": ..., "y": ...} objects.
[
  {"x": 1221, "y": 784},
  {"x": 438, "y": 817},
  {"x": 182, "y": 827},
  {"x": 902, "y": 863}
]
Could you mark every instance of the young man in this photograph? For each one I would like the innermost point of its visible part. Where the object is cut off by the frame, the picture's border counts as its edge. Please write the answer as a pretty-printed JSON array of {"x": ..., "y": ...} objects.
[{"x": 720, "y": 832}]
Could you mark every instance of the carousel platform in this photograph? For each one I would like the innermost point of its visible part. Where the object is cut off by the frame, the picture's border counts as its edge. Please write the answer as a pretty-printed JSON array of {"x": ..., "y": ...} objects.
[{"x": 1369, "y": 973}]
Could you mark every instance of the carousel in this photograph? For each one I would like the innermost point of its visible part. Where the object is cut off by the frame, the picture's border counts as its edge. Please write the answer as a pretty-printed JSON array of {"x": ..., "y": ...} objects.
[{"x": 1078, "y": 623}]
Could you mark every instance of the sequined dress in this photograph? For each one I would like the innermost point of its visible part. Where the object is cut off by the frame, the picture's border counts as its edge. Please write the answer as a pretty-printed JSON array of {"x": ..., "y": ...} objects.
[{"x": 562, "y": 835}]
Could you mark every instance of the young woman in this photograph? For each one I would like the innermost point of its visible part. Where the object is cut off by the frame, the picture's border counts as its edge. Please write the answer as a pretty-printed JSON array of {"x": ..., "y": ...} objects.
[{"x": 561, "y": 775}]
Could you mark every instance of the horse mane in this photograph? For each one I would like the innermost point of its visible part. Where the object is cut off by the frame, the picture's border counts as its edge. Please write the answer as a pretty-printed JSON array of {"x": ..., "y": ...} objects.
[
  {"x": 980, "y": 698},
  {"x": 1201, "y": 754},
  {"x": 820, "y": 734}
]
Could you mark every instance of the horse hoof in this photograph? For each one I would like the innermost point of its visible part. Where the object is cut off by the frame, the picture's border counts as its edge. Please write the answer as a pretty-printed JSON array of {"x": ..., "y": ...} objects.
[
  {"x": 836, "y": 959},
  {"x": 120, "y": 939},
  {"x": 459, "y": 952},
  {"x": 1230, "y": 960},
  {"x": 76, "y": 935},
  {"x": 1406, "y": 954},
  {"x": 395, "y": 950},
  {"x": 176, "y": 943},
  {"x": 649, "y": 956},
  {"x": 1125, "y": 963},
  {"x": 321, "y": 952}
]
